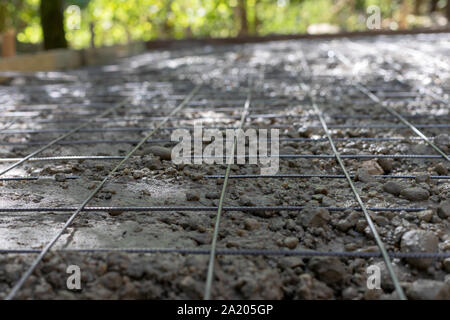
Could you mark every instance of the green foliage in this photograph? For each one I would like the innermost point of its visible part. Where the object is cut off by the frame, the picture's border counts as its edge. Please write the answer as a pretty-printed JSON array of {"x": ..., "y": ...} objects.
[
  {"x": 81, "y": 3},
  {"x": 122, "y": 21},
  {"x": 23, "y": 16}
]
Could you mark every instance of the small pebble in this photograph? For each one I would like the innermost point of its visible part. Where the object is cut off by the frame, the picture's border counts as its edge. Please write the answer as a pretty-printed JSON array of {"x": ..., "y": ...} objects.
[
  {"x": 161, "y": 152},
  {"x": 137, "y": 174},
  {"x": 425, "y": 215},
  {"x": 196, "y": 176},
  {"x": 415, "y": 194},
  {"x": 419, "y": 241},
  {"x": 386, "y": 164},
  {"x": 423, "y": 178},
  {"x": 291, "y": 242},
  {"x": 424, "y": 289},
  {"x": 363, "y": 175},
  {"x": 212, "y": 195},
  {"x": 441, "y": 169},
  {"x": 447, "y": 265},
  {"x": 443, "y": 210},
  {"x": 60, "y": 177},
  {"x": 192, "y": 196},
  {"x": 392, "y": 188},
  {"x": 115, "y": 213},
  {"x": 372, "y": 167},
  {"x": 251, "y": 224}
]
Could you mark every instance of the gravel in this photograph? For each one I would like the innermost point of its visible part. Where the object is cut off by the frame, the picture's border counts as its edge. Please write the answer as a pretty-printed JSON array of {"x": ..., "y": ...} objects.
[
  {"x": 149, "y": 179},
  {"x": 386, "y": 164},
  {"x": 60, "y": 177},
  {"x": 372, "y": 167},
  {"x": 161, "y": 152},
  {"x": 424, "y": 289},
  {"x": 330, "y": 270},
  {"x": 192, "y": 196},
  {"x": 444, "y": 209},
  {"x": 251, "y": 224},
  {"x": 314, "y": 217},
  {"x": 415, "y": 194},
  {"x": 393, "y": 188},
  {"x": 441, "y": 169},
  {"x": 447, "y": 265},
  {"x": 425, "y": 215},
  {"x": 291, "y": 242},
  {"x": 419, "y": 241}
]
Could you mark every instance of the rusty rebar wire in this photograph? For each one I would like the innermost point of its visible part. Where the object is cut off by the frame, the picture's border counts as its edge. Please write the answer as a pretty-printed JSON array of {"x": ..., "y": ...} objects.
[
  {"x": 281, "y": 126},
  {"x": 36, "y": 178},
  {"x": 198, "y": 209},
  {"x": 326, "y": 176},
  {"x": 81, "y": 117},
  {"x": 131, "y": 141},
  {"x": 252, "y": 252},
  {"x": 281, "y": 156}
]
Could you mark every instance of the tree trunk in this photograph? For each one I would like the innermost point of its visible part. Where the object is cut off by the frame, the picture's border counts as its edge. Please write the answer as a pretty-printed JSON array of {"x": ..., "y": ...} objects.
[
  {"x": 167, "y": 28},
  {"x": 404, "y": 11},
  {"x": 52, "y": 21},
  {"x": 417, "y": 6},
  {"x": 447, "y": 12},
  {"x": 3, "y": 16},
  {"x": 8, "y": 44},
  {"x": 92, "y": 33},
  {"x": 242, "y": 13},
  {"x": 257, "y": 21},
  {"x": 433, "y": 5}
]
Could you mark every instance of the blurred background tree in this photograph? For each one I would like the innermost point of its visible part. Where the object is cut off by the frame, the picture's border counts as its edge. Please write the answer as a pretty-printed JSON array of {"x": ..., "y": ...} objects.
[
  {"x": 108, "y": 22},
  {"x": 52, "y": 21}
]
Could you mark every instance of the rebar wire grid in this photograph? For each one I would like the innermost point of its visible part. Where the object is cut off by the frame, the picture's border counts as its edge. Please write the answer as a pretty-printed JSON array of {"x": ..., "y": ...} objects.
[
  {"x": 212, "y": 257},
  {"x": 402, "y": 119},
  {"x": 285, "y": 111},
  {"x": 47, "y": 248},
  {"x": 242, "y": 252},
  {"x": 392, "y": 111},
  {"x": 55, "y": 141},
  {"x": 139, "y": 129},
  {"x": 200, "y": 209},
  {"x": 380, "y": 244},
  {"x": 372, "y": 227}
]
